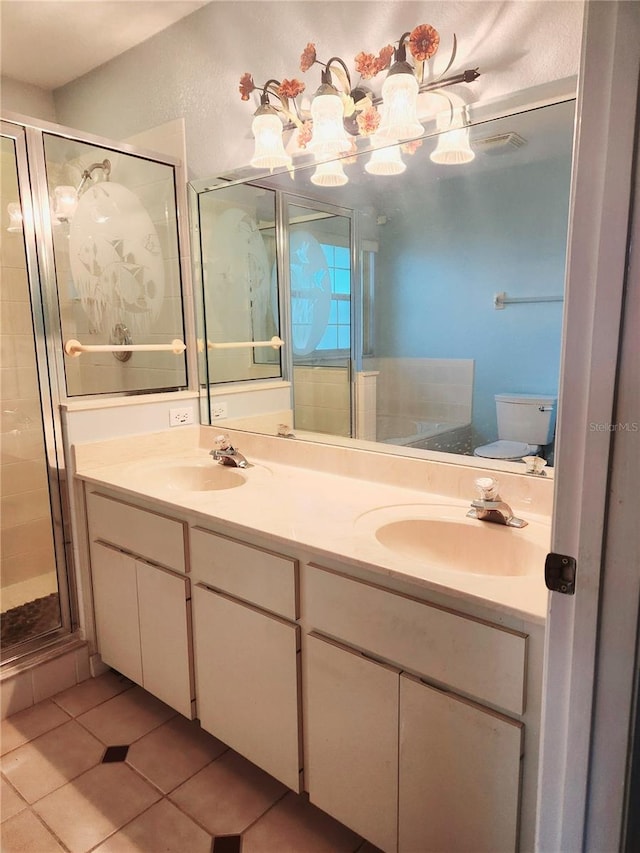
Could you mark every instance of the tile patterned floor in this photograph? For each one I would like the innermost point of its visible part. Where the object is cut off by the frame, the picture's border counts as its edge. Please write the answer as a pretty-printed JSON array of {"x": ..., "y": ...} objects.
[{"x": 104, "y": 766}]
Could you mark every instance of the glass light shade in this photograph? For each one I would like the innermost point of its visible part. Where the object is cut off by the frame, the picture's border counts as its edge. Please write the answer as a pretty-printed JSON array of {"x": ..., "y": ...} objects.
[
  {"x": 400, "y": 108},
  {"x": 269, "y": 150},
  {"x": 329, "y": 135},
  {"x": 385, "y": 161},
  {"x": 453, "y": 148},
  {"x": 15, "y": 217},
  {"x": 65, "y": 202},
  {"x": 330, "y": 174}
]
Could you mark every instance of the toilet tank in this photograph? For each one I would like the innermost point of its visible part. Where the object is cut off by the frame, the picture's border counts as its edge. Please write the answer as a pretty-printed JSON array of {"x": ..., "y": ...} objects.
[{"x": 526, "y": 417}]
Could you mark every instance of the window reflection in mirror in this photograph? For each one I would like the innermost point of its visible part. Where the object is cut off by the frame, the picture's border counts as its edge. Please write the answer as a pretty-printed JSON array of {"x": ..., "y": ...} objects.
[
  {"x": 431, "y": 347},
  {"x": 320, "y": 297}
]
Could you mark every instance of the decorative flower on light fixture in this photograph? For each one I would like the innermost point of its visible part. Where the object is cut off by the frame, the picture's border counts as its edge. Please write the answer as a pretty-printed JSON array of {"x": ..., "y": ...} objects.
[{"x": 339, "y": 109}]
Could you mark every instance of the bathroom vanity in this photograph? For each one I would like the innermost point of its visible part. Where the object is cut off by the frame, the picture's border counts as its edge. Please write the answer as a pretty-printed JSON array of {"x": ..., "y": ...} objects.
[{"x": 401, "y": 694}]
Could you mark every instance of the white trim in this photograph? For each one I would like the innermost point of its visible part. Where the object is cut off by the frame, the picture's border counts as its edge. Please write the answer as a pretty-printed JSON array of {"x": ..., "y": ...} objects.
[
  {"x": 595, "y": 281},
  {"x": 616, "y": 676}
]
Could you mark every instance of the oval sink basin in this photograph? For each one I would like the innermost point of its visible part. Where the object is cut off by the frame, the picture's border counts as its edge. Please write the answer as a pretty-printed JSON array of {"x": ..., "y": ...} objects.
[
  {"x": 442, "y": 537},
  {"x": 197, "y": 475},
  {"x": 202, "y": 478}
]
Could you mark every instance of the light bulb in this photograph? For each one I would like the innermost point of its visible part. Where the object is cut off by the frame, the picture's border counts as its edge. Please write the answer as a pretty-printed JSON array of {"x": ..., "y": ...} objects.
[
  {"x": 329, "y": 136},
  {"x": 453, "y": 146},
  {"x": 65, "y": 202},
  {"x": 329, "y": 174},
  {"x": 269, "y": 149},
  {"x": 399, "y": 108},
  {"x": 385, "y": 161}
]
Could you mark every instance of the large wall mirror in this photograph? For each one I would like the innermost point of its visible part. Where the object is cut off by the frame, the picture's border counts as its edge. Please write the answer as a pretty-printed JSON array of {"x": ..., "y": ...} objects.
[{"x": 410, "y": 305}]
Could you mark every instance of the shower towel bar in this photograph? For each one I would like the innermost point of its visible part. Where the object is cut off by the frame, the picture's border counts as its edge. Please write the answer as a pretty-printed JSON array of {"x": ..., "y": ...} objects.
[
  {"x": 75, "y": 348},
  {"x": 501, "y": 299},
  {"x": 275, "y": 342}
]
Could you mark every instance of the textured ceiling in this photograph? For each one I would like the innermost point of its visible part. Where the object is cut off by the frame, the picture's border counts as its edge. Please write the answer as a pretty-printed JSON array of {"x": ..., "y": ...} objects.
[{"x": 48, "y": 43}]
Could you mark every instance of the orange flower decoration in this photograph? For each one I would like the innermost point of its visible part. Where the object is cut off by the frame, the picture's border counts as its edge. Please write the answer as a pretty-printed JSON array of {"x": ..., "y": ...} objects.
[
  {"x": 304, "y": 134},
  {"x": 308, "y": 57},
  {"x": 411, "y": 147},
  {"x": 368, "y": 121},
  {"x": 366, "y": 65},
  {"x": 290, "y": 88},
  {"x": 423, "y": 42},
  {"x": 246, "y": 86},
  {"x": 384, "y": 57}
]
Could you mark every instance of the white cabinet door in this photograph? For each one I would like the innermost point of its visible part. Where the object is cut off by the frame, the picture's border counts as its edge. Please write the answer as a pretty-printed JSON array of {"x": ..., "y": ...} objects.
[
  {"x": 459, "y": 774},
  {"x": 164, "y": 636},
  {"x": 247, "y": 681},
  {"x": 115, "y": 599},
  {"x": 352, "y": 739}
]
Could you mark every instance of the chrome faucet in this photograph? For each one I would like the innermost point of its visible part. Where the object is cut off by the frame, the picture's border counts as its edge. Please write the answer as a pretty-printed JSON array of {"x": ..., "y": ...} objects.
[
  {"x": 491, "y": 507},
  {"x": 225, "y": 454}
]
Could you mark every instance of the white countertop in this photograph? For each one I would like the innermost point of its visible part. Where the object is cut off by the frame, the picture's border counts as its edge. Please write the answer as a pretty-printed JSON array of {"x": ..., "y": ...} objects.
[{"x": 329, "y": 514}]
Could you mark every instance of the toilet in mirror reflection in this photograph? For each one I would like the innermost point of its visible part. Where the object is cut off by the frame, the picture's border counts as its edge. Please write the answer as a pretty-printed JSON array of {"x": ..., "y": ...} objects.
[{"x": 526, "y": 427}]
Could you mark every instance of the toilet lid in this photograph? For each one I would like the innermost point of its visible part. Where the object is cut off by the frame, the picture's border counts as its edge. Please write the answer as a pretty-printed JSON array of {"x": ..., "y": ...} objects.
[{"x": 504, "y": 449}]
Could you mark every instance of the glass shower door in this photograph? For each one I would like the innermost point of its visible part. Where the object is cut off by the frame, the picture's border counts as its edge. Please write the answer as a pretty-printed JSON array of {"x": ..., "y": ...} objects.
[{"x": 32, "y": 549}]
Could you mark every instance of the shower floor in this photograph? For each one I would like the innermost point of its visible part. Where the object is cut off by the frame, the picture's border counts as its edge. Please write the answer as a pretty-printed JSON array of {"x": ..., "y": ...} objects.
[{"x": 30, "y": 620}]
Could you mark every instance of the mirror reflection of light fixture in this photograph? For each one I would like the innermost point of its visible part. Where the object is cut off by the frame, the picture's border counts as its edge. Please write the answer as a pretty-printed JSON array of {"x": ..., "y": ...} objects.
[
  {"x": 65, "y": 199},
  {"x": 453, "y": 147},
  {"x": 329, "y": 174},
  {"x": 269, "y": 150},
  {"x": 15, "y": 217},
  {"x": 64, "y": 203},
  {"x": 385, "y": 161}
]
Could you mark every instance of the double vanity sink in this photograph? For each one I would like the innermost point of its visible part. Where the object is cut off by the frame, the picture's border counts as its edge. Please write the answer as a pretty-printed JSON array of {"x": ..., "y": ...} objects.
[
  {"x": 336, "y": 618},
  {"x": 421, "y": 536}
]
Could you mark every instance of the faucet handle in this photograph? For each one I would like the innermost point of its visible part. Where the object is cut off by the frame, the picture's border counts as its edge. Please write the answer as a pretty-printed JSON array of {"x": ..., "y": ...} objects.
[
  {"x": 488, "y": 488},
  {"x": 222, "y": 442}
]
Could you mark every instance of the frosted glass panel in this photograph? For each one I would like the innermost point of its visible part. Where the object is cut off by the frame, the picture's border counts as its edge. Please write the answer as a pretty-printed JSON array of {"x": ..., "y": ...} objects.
[{"x": 115, "y": 240}]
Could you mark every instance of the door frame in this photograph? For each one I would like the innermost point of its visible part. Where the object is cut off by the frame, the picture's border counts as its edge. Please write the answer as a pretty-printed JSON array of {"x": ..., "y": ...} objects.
[{"x": 579, "y": 800}]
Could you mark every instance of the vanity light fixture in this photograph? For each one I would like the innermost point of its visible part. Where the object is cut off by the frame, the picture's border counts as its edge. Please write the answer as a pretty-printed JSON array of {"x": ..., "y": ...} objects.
[
  {"x": 267, "y": 130},
  {"x": 400, "y": 90},
  {"x": 327, "y": 114},
  {"x": 339, "y": 110}
]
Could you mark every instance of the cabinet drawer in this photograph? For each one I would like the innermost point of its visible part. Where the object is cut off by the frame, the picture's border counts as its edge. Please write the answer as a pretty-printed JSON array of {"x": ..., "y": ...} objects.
[
  {"x": 252, "y": 574},
  {"x": 473, "y": 657},
  {"x": 146, "y": 534}
]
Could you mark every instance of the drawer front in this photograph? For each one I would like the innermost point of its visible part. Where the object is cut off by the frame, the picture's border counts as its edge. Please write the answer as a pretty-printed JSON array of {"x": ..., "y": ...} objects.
[
  {"x": 251, "y": 574},
  {"x": 466, "y": 654},
  {"x": 155, "y": 537}
]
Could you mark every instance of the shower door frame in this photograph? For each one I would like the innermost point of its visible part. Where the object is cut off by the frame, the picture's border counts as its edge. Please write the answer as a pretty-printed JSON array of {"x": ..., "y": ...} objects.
[
  {"x": 51, "y": 422},
  {"x": 35, "y": 130},
  {"x": 43, "y": 285}
]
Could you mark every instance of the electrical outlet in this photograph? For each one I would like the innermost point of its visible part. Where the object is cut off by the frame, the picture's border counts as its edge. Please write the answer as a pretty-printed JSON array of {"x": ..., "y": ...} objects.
[
  {"x": 180, "y": 417},
  {"x": 218, "y": 410}
]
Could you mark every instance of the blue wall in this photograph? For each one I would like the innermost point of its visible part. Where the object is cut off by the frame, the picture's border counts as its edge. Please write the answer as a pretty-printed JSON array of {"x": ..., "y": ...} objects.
[{"x": 450, "y": 250}]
